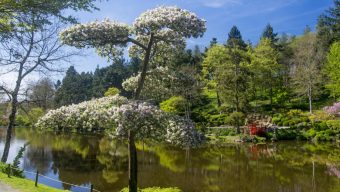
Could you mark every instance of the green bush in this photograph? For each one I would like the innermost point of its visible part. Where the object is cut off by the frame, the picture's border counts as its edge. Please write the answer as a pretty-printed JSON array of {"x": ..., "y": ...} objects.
[
  {"x": 112, "y": 91},
  {"x": 175, "y": 104},
  {"x": 334, "y": 125},
  {"x": 217, "y": 120},
  {"x": 35, "y": 114},
  {"x": 276, "y": 120},
  {"x": 292, "y": 118},
  {"x": 31, "y": 118},
  {"x": 310, "y": 133},
  {"x": 320, "y": 126},
  {"x": 22, "y": 120},
  {"x": 287, "y": 134},
  {"x": 237, "y": 118},
  {"x": 223, "y": 132}
]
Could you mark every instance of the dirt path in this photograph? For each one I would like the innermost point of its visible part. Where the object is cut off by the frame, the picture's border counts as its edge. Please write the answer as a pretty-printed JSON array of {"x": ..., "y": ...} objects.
[{"x": 7, "y": 188}]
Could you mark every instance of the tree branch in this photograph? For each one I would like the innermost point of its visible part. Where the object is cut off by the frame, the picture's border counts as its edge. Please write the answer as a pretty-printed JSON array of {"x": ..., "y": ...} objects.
[{"x": 137, "y": 43}]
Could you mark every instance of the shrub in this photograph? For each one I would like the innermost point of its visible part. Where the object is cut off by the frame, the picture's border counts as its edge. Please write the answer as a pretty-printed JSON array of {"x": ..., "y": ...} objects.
[
  {"x": 334, "y": 125},
  {"x": 320, "y": 116},
  {"x": 112, "y": 91},
  {"x": 31, "y": 118},
  {"x": 35, "y": 114},
  {"x": 276, "y": 120},
  {"x": 333, "y": 110},
  {"x": 309, "y": 134},
  {"x": 217, "y": 120},
  {"x": 287, "y": 134},
  {"x": 175, "y": 104},
  {"x": 237, "y": 118},
  {"x": 22, "y": 120},
  {"x": 320, "y": 126}
]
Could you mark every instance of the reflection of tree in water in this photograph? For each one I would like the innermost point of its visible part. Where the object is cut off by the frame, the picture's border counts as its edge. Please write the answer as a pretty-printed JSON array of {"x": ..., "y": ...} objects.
[
  {"x": 244, "y": 167},
  {"x": 38, "y": 158},
  {"x": 104, "y": 164},
  {"x": 233, "y": 168},
  {"x": 113, "y": 155}
]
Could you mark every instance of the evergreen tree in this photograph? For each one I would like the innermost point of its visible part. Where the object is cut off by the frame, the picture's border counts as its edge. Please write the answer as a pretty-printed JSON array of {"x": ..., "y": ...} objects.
[
  {"x": 265, "y": 67},
  {"x": 225, "y": 70},
  {"x": 268, "y": 33},
  {"x": 328, "y": 28},
  {"x": 235, "y": 39},
  {"x": 213, "y": 41},
  {"x": 98, "y": 88},
  {"x": 75, "y": 88}
]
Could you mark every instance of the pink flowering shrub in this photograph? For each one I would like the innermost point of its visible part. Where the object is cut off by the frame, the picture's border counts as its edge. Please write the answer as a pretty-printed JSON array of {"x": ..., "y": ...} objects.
[{"x": 333, "y": 110}]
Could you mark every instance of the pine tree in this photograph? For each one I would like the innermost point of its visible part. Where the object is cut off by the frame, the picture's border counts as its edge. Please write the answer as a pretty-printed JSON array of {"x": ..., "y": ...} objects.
[
  {"x": 268, "y": 33},
  {"x": 235, "y": 39},
  {"x": 328, "y": 28},
  {"x": 75, "y": 88},
  {"x": 265, "y": 67}
]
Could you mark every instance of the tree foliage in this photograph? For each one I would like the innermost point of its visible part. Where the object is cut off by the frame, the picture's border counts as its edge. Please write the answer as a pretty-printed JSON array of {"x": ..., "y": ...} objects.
[
  {"x": 332, "y": 69},
  {"x": 328, "y": 28},
  {"x": 306, "y": 74}
]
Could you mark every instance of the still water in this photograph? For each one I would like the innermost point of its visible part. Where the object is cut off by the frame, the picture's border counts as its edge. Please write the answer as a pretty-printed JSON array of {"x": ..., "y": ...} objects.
[{"x": 87, "y": 159}]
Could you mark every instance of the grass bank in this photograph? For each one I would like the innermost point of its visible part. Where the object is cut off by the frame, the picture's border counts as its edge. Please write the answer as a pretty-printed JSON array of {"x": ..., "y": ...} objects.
[
  {"x": 154, "y": 189},
  {"x": 26, "y": 185}
]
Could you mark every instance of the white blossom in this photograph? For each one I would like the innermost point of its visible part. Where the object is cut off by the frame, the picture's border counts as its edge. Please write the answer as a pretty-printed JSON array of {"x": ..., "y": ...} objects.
[
  {"x": 180, "y": 21},
  {"x": 117, "y": 116}
]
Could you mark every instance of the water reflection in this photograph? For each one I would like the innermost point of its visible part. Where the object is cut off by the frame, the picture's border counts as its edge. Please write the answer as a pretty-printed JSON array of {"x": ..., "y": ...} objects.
[{"x": 85, "y": 160}]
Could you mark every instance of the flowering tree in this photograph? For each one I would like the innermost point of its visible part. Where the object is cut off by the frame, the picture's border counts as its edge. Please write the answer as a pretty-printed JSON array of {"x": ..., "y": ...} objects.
[
  {"x": 156, "y": 27},
  {"x": 152, "y": 29},
  {"x": 85, "y": 116},
  {"x": 143, "y": 120}
]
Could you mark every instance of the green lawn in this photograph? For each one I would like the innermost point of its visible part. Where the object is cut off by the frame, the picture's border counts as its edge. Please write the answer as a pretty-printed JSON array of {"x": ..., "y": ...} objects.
[
  {"x": 155, "y": 189},
  {"x": 25, "y": 185}
]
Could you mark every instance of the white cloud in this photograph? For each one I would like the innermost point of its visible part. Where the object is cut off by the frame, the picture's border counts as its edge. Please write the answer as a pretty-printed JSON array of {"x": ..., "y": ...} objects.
[{"x": 219, "y": 3}]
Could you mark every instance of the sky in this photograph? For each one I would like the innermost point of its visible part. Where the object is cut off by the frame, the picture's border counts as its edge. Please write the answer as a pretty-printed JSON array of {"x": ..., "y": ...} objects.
[{"x": 250, "y": 16}]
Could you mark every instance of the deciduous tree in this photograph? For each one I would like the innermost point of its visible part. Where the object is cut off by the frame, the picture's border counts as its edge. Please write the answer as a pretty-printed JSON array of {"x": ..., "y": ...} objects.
[
  {"x": 152, "y": 29},
  {"x": 332, "y": 69},
  {"x": 32, "y": 45},
  {"x": 307, "y": 59}
]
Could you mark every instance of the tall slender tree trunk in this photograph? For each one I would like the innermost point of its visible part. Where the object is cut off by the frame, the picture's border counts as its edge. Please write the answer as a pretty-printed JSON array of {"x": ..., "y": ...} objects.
[
  {"x": 9, "y": 129},
  {"x": 133, "y": 161},
  {"x": 14, "y": 105},
  {"x": 218, "y": 99},
  {"x": 310, "y": 99}
]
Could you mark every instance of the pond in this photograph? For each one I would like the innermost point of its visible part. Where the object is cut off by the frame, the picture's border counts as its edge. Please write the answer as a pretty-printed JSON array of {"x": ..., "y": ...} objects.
[{"x": 85, "y": 160}]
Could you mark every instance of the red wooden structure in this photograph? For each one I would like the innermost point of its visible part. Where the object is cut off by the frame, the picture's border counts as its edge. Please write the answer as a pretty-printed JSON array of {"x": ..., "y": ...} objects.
[{"x": 256, "y": 130}]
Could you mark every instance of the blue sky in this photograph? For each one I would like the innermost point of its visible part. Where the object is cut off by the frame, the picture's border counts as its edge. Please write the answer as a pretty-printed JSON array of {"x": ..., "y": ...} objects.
[{"x": 250, "y": 16}]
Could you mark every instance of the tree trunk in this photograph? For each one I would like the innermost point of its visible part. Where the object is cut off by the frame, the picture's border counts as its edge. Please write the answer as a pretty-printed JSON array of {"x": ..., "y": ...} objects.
[
  {"x": 310, "y": 100},
  {"x": 144, "y": 68},
  {"x": 10, "y": 128},
  {"x": 132, "y": 163},
  {"x": 271, "y": 97},
  {"x": 14, "y": 105},
  {"x": 218, "y": 99}
]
